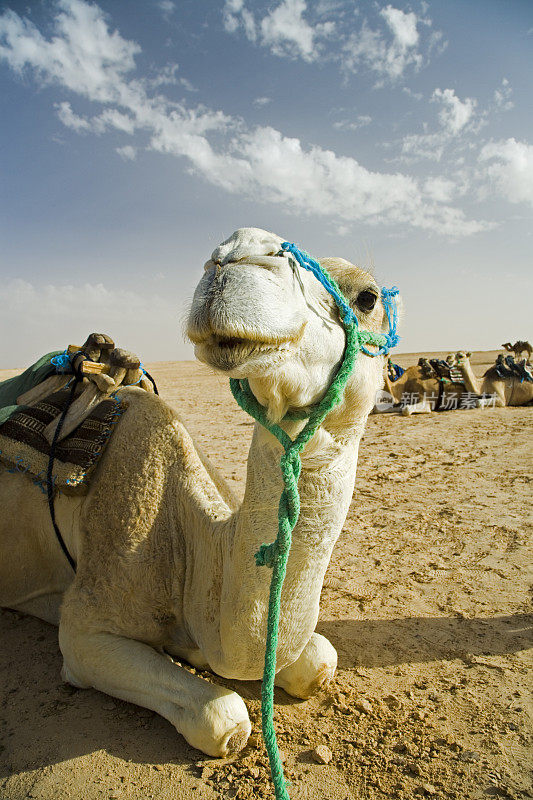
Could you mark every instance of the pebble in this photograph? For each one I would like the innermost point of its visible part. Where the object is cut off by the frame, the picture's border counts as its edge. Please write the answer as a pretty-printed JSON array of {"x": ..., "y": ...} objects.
[
  {"x": 469, "y": 755},
  {"x": 392, "y": 702},
  {"x": 254, "y": 740},
  {"x": 322, "y": 754},
  {"x": 363, "y": 706},
  {"x": 428, "y": 788}
]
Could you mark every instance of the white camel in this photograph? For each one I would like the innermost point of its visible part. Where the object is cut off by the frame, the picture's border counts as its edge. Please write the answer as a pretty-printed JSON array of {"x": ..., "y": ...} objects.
[{"x": 165, "y": 554}]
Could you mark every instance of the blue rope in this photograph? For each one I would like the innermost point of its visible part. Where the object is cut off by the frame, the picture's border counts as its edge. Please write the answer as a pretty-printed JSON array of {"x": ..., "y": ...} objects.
[
  {"x": 388, "y": 298},
  {"x": 62, "y": 362}
]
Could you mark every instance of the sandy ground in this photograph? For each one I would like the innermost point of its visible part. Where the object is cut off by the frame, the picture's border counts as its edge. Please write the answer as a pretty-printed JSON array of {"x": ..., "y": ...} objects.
[{"x": 427, "y": 600}]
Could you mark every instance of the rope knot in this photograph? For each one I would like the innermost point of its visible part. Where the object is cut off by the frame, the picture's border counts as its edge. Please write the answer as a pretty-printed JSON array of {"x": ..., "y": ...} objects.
[
  {"x": 393, "y": 339},
  {"x": 266, "y": 555},
  {"x": 62, "y": 362}
]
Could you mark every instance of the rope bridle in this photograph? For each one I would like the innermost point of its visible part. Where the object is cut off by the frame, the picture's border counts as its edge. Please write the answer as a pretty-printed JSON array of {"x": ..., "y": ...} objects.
[{"x": 275, "y": 554}]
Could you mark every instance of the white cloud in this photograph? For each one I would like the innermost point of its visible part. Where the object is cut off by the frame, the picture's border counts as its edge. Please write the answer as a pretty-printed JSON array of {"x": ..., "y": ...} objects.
[
  {"x": 235, "y": 15},
  {"x": 455, "y": 113},
  {"x": 424, "y": 145},
  {"x": 440, "y": 189},
  {"x": 262, "y": 164},
  {"x": 502, "y": 96},
  {"x": 403, "y": 27},
  {"x": 83, "y": 56},
  {"x": 168, "y": 76},
  {"x": 72, "y": 120},
  {"x": 373, "y": 49},
  {"x": 128, "y": 153},
  {"x": 167, "y": 7},
  {"x": 262, "y": 101},
  {"x": 113, "y": 118},
  {"x": 353, "y": 125},
  {"x": 296, "y": 28},
  {"x": 510, "y": 169},
  {"x": 457, "y": 119},
  {"x": 57, "y": 310},
  {"x": 317, "y": 181},
  {"x": 286, "y": 31},
  {"x": 109, "y": 118}
]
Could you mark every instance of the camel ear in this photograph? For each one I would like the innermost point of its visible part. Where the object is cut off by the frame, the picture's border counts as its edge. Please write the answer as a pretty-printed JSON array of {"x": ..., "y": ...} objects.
[{"x": 468, "y": 354}]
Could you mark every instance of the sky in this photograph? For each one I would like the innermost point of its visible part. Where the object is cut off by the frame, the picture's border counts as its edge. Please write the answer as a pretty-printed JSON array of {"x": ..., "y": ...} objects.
[{"x": 136, "y": 135}]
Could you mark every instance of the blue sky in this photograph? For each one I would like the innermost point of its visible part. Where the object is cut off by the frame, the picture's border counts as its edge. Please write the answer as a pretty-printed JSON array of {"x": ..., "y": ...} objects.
[{"x": 137, "y": 135}]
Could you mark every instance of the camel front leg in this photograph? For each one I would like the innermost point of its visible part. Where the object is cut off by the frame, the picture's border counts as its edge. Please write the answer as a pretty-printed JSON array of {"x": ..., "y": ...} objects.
[
  {"x": 311, "y": 671},
  {"x": 211, "y": 718},
  {"x": 423, "y": 407}
]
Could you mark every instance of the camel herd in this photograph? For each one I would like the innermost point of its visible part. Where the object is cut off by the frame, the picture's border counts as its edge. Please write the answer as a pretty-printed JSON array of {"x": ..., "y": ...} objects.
[{"x": 445, "y": 385}]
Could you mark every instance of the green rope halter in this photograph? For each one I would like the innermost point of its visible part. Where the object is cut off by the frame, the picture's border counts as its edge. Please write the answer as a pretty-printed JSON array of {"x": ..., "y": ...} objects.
[{"x": 275, "y": 555}]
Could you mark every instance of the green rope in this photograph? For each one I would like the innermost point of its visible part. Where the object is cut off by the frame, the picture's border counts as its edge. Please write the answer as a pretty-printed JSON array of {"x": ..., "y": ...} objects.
[{"x": 275, "y": 555}]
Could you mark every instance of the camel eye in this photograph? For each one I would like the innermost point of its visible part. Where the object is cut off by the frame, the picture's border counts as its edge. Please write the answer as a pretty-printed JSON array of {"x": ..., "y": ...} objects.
[{"x": 366, "y": 300}]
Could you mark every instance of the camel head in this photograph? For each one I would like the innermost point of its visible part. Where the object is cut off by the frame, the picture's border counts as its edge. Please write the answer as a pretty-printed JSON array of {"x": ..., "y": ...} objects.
[
  {"x": 257, "y": 315},
  {"x": 461, "y": 356}
]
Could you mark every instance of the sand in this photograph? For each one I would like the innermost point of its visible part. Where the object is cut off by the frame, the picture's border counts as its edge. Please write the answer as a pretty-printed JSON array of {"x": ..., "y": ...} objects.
[{"x": 427, "y": 600}]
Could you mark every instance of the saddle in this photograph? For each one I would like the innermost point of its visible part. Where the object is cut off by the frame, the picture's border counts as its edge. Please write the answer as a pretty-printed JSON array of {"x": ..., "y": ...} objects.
[
  {"x": 394, "y": 371},
  {"x": 442, "y": 370},
  {"x": 506, "y": 367},
  {"x": 30, "y": 425}
]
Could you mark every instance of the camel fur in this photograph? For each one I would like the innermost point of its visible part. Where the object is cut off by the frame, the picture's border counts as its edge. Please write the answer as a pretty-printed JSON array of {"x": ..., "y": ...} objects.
[{"x": 165, "y": 554}]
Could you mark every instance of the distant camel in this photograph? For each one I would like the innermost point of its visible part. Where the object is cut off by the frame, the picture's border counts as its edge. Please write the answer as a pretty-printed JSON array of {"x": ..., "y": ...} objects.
[
  {"x": 518, "y": 348},
  {"x": 510, "y": 390},
  {"x": 420, "y": 390}
]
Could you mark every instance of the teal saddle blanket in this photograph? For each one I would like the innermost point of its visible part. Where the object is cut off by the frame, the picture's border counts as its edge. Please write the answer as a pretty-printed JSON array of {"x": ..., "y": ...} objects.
[{"x": 13, "y": 387}]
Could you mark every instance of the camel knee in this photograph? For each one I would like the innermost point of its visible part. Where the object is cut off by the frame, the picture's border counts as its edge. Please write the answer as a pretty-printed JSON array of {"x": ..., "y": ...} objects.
[
  {"x": 311, "y": 671},
  {"x": 72, "y": 670}
]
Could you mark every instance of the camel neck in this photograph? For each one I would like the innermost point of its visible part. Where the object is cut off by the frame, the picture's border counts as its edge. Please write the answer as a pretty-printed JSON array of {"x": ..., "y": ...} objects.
[
  {"x": 326, "y": 487},
  {"x": 471, "y": 382}
]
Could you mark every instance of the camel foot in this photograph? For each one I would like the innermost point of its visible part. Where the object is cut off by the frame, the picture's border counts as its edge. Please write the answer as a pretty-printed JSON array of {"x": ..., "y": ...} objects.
[
  {"x": 311, "y": 671},
  {"x": 220, "y": 728},
  {"x": 210, "y": 717}
]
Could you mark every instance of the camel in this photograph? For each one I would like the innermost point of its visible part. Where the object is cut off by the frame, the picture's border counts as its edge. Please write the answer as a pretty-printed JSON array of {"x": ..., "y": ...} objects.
[
  {"x": 164, "y": 552},
  {"x": 518, "y": 348},
  {"x": 419, "y": 391},
  {"x": 495, "y": 390}
]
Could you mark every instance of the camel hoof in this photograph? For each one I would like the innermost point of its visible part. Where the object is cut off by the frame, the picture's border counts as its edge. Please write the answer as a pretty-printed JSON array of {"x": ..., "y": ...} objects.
[
  {"x": 311, "y": 671},
  {"x": 238, "y": 739},
  {"x": 321, "y": 680},
  {"x": 221, "y": 728}
]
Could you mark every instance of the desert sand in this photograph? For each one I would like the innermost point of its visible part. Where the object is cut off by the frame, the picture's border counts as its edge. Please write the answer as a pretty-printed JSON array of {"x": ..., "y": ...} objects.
[{"x": 427, "y": 600}]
